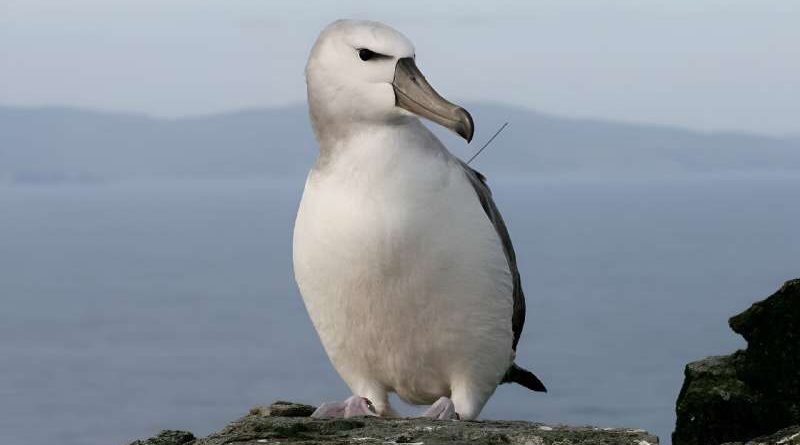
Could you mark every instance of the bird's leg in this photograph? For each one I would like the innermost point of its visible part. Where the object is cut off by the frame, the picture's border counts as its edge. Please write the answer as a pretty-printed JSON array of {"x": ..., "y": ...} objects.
[
  {"x": 354, "y": 406},
  {"x": 379, "y": 398},
  {"x": 469, "y": 398},
  {"x": 442, "y": 409}
]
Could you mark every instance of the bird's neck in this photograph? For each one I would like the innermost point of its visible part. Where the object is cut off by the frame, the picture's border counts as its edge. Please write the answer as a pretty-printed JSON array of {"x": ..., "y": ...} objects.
[{"x": 376, "y": 141}]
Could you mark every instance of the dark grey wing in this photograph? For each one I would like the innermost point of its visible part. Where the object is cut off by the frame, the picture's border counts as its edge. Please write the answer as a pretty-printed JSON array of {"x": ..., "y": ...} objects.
[
  {"x": 515, "y": 373},
  {"x": 478, "y": 182}
]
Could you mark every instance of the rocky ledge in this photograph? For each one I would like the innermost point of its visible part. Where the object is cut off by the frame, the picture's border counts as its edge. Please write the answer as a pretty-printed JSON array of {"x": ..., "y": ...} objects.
[
  {"x": 289, "y": 423},
  {"x": 786, "y": 436},
  {"x": 752, "y": 392}
]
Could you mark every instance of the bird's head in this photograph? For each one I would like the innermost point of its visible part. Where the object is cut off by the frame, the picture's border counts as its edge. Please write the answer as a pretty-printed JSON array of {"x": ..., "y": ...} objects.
[{"x": 363, "y": 72}]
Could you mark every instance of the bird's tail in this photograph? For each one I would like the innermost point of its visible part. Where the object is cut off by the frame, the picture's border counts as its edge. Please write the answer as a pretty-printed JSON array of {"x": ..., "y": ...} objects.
[{"x": 522, "y": 376}]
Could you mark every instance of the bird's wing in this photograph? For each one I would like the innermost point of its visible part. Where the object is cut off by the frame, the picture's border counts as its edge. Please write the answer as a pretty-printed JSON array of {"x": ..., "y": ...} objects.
[{"x": 484, "y": 194}]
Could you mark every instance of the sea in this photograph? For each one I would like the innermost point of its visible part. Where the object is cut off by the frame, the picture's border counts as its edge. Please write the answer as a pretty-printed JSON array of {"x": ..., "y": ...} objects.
[{"x": 136, "y": 306}]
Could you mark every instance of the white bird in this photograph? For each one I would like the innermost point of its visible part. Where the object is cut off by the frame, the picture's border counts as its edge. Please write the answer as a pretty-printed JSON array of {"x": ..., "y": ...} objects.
[{"x": 404, "y": 262}]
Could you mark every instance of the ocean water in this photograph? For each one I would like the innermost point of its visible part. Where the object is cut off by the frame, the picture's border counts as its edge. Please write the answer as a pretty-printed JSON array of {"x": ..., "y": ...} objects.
[{"x": 132, "y": 307}]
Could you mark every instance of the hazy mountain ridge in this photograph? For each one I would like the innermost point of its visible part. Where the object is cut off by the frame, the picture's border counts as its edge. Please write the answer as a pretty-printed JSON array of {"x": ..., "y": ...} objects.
[{"x": 62, "y": 144}]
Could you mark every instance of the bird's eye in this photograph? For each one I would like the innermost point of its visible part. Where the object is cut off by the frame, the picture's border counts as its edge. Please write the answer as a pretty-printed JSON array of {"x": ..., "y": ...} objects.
[{"x": 366, "y": 54}]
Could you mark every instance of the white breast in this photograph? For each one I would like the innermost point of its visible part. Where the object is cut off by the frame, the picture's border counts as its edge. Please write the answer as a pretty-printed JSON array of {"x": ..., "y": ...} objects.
[{"x": 402, "y": 273}]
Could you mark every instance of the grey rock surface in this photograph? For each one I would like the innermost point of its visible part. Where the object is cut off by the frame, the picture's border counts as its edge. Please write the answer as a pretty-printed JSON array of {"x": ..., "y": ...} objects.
[{"x": 268, "y": 425}]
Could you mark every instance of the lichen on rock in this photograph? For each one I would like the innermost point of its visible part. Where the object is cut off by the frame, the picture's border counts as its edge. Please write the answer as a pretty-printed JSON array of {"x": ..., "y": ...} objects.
[
  {"x": 272, "y": 425},
  {"x": 168, "y": 437},
  {"x": 786, "y": 436}
]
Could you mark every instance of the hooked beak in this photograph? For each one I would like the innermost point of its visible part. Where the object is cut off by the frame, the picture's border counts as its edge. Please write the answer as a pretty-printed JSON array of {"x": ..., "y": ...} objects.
[{"x": 413, "y": 93}]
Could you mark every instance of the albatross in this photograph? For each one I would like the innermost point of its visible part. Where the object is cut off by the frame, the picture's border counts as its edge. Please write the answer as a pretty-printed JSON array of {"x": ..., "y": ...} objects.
[{"x": 404, "y": 263}]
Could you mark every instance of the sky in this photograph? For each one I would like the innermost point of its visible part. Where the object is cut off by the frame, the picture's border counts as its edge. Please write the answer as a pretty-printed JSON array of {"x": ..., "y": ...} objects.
[{"x": 712, "y": 65}]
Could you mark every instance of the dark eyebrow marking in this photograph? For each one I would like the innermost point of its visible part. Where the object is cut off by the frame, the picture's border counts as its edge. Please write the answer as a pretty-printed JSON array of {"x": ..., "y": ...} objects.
[{"x": 367, "y": 54}]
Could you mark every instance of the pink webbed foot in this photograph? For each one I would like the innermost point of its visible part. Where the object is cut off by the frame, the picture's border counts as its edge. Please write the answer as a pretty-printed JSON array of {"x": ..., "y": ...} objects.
[
  {"x": 442, "y": 409},
  {"x": 354, "y": 406}
]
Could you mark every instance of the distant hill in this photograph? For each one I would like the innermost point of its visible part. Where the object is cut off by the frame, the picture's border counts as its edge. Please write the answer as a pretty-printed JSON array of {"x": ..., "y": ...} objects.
[{"x": 61, "y": 144}]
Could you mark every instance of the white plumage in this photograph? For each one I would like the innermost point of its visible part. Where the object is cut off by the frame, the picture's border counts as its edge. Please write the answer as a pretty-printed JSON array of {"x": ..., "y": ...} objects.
[{"x": 403, "y": 275}]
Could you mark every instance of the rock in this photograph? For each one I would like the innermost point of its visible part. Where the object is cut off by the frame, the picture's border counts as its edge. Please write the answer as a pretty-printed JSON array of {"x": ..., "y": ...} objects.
[
  {"x": 168, "y": 437},
  {"x": 258, "y": 428},
  {"x": 786, "y": 436},
  {"x": 714, "y": 405},
  {"x": 752, "y": 392},
  {"x": 282, "y": 408},
  {"x": 772, "y": 330}
]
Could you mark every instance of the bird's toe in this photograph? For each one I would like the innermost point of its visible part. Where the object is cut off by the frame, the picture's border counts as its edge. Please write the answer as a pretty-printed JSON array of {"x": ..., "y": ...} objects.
[
  {"x": 442, "y": 409},
  {"x": 354, "y": 406},
  {"x": 357, "y": 406}
]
